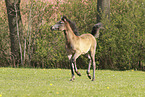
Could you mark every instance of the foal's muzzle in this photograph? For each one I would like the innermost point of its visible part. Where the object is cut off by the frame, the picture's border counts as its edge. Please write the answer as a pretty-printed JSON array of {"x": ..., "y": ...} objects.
[{"x": 54, "y": 28}]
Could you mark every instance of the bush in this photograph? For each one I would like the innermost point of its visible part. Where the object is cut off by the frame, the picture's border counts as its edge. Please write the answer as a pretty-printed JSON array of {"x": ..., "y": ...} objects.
[
  {"x": 122, "y": 41},
  {"x": 121, "y": 44}
]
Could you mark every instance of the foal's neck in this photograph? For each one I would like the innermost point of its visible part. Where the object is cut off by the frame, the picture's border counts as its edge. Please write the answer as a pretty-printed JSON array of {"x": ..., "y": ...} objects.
[
  {"x": 66, "y": 36},
  {"x": 69, "y": 32}
]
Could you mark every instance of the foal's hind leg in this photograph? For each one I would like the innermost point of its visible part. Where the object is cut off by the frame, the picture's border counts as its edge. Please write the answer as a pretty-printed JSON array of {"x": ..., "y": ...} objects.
[
  {"x": 88, "y": 71},
  {"x": 94, "y": 68},
  {"x": 94, "y": 64}
]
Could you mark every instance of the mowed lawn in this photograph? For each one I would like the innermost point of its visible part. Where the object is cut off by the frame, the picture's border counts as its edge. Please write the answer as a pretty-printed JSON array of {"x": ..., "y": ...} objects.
[{"x": 24, "y": 82}]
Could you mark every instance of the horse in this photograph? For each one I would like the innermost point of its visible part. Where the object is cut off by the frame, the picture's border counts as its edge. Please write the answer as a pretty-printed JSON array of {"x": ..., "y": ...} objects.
[{"x": 77, "y": 45}]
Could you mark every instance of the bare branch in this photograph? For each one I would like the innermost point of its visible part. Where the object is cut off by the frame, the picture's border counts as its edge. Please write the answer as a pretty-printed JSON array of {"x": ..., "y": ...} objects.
[{"x": 18, "y": 34}]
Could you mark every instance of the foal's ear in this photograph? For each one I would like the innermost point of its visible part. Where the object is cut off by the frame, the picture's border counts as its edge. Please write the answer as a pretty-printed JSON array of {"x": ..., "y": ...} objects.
[{"x": 64, "y": 18}]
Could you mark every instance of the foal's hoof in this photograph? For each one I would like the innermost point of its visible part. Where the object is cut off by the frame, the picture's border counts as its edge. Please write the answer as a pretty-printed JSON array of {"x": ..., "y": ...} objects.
[
  {"x": 72, "y": 79},
  {"x": 79, "y": 74},
  {"x": 89, "y": 76},
  {"x": 93, "y": 79}
]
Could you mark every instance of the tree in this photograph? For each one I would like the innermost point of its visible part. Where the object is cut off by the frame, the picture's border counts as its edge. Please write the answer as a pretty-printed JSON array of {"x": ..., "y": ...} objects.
[
  {"x": 15, "y": 27},
  {"x": 103, "y": 8}
]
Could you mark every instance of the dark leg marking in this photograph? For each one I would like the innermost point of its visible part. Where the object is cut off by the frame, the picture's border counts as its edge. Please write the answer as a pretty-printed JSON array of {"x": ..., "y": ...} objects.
[
  {"x": 79, "y": 74},
  {"x": 89, "y": 76}
]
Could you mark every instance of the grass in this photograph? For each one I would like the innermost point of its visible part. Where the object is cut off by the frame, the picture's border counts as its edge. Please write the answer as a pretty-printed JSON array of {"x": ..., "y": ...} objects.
[{"x": 21, "y": 82}]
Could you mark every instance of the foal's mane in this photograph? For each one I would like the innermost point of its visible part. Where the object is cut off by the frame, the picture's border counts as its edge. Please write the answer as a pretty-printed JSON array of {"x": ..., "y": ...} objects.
[{"x": 72, "y": 25}]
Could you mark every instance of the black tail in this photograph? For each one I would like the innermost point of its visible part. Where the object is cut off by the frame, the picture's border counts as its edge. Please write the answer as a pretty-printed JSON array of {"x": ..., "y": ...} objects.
[{"x": 96, "y": 28}]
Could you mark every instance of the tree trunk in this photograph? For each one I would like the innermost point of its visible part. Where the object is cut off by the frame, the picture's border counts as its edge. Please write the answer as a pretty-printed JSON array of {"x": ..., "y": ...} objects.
[
  {"x": 103, "y": 8},
  {"x": 13, "y": 9}
]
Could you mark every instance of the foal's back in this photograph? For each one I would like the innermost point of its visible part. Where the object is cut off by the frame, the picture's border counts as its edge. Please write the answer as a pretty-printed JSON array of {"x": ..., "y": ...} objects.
[{"x": 87, "y": 42}]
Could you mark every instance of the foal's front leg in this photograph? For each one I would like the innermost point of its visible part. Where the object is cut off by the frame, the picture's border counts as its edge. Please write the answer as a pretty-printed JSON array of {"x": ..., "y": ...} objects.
[
  {"x": 76, "y": 70},
  {"x": 72, "y": 67},
  {"x": 72, "y": 71},
  {"x": 76, "y": 55}
]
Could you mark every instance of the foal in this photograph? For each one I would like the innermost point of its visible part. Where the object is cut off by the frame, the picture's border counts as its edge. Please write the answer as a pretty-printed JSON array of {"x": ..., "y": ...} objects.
[{"x": 77, "y": 45}]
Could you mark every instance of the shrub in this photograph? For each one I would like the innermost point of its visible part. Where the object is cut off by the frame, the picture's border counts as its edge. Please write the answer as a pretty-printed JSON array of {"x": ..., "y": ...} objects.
[
  {"x": 121, "y": 44},
  {"x": 122, "y": 41}
]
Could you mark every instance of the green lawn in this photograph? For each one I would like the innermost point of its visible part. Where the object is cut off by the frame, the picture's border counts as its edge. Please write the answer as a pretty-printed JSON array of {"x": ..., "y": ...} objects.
[{"x": 21, "y": 82}]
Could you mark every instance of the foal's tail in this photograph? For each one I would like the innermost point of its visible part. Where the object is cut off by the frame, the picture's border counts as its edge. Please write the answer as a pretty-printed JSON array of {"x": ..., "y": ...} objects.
[{"x": 96, "y": 28}]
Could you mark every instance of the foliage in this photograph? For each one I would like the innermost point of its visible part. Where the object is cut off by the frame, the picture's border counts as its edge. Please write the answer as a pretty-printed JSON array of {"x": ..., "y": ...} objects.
[
  {"x": 122, "y": 41},
  {"x": 121, "y": 44},
  {"x": 4, "y": 38},
  {"x": 55, "y": 82}
]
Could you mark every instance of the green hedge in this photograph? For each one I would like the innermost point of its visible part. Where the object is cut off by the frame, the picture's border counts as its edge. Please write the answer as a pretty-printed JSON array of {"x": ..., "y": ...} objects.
[{"x": 121, "y": 44}]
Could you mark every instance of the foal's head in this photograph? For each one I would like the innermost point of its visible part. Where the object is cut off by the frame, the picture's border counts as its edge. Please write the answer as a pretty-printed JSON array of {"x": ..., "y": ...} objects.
[
  {"x": 58, "y": 26},
  {"x": 61, "y": 26}
]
